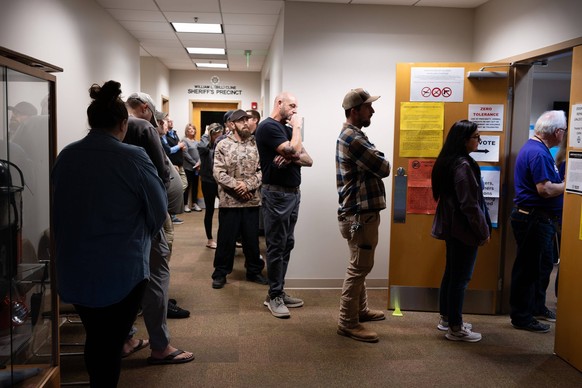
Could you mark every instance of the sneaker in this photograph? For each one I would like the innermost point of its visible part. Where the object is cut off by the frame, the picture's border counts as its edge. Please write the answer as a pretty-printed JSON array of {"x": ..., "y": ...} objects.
[
  {"x": 358, "y": 332},
  {"x": 196, "y": 208},
  {"x": 258, "y": 278},
  {"x": 288, "y": 300},
  {"x": 176, "y": 312},
  {"x": 444, "y": 325},
  {"x": 463, "y": 334},
  {"x": 291, "y": 301},
  {"x": 218, "y": 282},
  {"x": 534, "y": 326},
  {"x": 176, "y": 220},
  {"x": 548, "y": 315},
  {"x": 187, "y": 209},
  {"x": 372, "y": 315},
  {"x": 278, "y": 308}
]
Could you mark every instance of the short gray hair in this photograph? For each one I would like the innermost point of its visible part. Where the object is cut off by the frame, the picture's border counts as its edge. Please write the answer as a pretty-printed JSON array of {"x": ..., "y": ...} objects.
[{"x": 550, "y": 121}]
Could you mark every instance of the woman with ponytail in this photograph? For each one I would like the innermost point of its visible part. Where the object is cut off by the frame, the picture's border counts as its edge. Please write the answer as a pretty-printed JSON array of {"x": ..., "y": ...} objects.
[{"x": 462, "y": 220}]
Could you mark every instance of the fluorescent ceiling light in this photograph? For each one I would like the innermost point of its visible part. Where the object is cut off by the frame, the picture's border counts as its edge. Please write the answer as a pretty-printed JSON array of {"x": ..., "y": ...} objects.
[
  {"x": 198, "y": 27},
  {"x": 212, "y": 65},
  {"x": 206, "y": 50}
]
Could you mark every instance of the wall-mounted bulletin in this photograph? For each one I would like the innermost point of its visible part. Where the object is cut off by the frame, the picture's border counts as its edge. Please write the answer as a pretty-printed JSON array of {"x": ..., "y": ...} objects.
[{"x": 421, "y": 129}]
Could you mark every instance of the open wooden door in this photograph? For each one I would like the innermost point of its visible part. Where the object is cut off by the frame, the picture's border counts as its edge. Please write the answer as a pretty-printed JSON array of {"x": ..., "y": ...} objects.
[
  {"x": 569, "y": 318},
  {"x": 417, "y": 260}
]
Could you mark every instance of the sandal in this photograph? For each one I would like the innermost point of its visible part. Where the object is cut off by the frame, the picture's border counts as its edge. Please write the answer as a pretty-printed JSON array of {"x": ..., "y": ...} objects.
[
  {"x": 170, "y": 359},
  {"x": 140, "y": 345},
  {"x": 211, "y": 245}
]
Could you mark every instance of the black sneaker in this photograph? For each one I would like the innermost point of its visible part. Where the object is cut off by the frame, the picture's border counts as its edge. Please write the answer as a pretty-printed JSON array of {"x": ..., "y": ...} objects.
[
  {"x": 534, "y": 326},
  {"x": 548, "y": 315},
  {"x": 259, "y": 279},
  {"x": 176, "y": 312},
  {"x": 219, "y": 282}
]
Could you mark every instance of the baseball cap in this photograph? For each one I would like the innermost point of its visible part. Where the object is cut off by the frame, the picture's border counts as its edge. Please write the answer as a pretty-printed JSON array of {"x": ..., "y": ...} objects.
[
  {"x": 161, "y": 115},
  {"x": 356, "y": 97},
  {"x": 238, "y": 114},
  {"x": 146, "y": 99},
  {"x": 226, "y": 117},
  {"x": 215, "y": 127},
  {"x": 24, "y": 108}
]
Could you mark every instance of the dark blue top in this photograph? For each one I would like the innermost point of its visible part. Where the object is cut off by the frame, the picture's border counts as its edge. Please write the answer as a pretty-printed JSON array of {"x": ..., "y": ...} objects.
[
  {"x": 271, "y": 134},
  {"x": 535, "y": 164},
  {"x": 108, "y": 203}
]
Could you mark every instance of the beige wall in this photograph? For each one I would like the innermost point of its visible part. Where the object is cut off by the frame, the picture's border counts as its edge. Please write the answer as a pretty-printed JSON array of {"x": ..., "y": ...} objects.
[{"x": 81, "y": 38}]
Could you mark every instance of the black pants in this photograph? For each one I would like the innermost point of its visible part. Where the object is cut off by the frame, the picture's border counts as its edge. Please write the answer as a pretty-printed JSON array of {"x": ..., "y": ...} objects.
[
  {"x": 234, "y": 222},
  {"x": 106, "y": 330},
  {"x": 192, "y": 177},
  {"x": 210, "y": 193}
]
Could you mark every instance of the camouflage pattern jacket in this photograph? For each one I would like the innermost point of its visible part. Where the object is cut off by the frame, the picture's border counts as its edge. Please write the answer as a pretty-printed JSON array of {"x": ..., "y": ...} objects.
[{"x": 236, "y": 161}]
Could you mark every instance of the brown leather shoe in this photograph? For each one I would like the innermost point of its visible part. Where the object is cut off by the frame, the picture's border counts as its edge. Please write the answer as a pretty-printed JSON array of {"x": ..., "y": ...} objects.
[
  {"x": 372, "y": 315},
  {"x": 359, "y": 333}
]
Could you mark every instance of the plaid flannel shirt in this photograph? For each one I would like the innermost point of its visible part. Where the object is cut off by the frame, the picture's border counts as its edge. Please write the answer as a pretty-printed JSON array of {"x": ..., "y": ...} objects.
[{"x": 360, "y": 168}]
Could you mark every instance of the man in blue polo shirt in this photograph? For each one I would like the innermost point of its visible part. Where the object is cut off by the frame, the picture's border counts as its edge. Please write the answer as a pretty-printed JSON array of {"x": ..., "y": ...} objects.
[{"x": 539, "y": 195}]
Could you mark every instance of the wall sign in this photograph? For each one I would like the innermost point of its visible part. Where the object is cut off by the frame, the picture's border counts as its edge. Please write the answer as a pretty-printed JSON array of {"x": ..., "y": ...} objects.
[
  {"x": 488, "y": 150},
  {"x": 214, "y": 88},
  {"x": 489, "y": 117},
  {"x": 575, "y": 132},
  {"x": 437, "y": 84}
]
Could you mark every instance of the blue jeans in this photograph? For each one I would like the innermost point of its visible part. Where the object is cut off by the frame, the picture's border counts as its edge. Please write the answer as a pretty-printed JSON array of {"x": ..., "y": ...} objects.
[
  {"x": 460, "y": 262},
  {"x": 532, "y": 268},
  {"x": 280, "y": 212}
]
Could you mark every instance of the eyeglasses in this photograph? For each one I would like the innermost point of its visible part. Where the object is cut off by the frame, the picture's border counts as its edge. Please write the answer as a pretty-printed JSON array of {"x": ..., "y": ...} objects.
[
  {"x": 478, "y": 137},
  {"x": 563, "y": 129}
]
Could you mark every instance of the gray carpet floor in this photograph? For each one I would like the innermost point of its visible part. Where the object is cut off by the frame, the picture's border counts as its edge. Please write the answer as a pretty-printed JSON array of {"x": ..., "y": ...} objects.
[{"x": 238, "y": 343}]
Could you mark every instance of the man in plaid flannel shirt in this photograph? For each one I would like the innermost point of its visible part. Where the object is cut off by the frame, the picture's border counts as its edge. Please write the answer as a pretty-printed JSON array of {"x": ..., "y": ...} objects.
[{"x": 360, "y": 168}]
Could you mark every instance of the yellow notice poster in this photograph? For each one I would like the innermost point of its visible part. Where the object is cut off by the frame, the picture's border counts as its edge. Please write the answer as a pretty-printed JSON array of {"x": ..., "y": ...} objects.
[{"x": 421, "y": 129}]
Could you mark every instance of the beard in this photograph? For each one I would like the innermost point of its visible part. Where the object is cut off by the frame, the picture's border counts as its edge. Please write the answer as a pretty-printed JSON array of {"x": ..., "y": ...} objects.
[{"x": 244, "y": 133}]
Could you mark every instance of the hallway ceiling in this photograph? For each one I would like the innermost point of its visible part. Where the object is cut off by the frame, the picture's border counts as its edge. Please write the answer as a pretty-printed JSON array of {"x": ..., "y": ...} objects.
[{"x": 247, "y": 25}]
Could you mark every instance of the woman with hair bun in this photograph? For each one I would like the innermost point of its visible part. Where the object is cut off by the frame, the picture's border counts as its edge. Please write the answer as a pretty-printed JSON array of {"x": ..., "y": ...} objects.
[{"x": 108, "y": 202}]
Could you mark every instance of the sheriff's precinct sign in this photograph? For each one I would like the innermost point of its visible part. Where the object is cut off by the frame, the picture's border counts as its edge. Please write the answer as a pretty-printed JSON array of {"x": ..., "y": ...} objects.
[{"x": 213, "y": 90}]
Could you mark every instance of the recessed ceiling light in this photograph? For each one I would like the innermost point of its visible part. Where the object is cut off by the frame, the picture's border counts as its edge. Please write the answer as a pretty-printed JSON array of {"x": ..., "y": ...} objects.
[
  {"x": 206, "y": 50},
  {"x": 198, "y": 27},
  {"x": 212, "y": 65}
]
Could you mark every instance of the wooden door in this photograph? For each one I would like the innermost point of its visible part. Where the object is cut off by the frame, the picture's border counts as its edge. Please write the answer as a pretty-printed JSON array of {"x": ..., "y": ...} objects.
[
  {"x": 417, "y": 260},
  {"x": 568, "y": 343},
  {"x": 199, "y": 108}
]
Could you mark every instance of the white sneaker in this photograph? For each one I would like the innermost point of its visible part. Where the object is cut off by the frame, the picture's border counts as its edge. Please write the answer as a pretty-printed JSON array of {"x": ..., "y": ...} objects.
[
  {"x": 196, "y": 208},
  {"x": 444, "y": 325},
  {"x": 463, "y": 334},
  {"x": 187, "y": 209}
]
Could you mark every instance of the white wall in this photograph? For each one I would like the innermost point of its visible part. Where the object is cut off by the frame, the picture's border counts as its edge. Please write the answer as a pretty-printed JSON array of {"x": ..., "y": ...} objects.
[
  {"x": 329, "y": 49},
  {"x": 272, "y": 73},
  {"x": 182, "y": 80},
  {"x": 154, "y": 79},
  {"x": 81, "y": 38},
  {"x": 505, "y": 28}
]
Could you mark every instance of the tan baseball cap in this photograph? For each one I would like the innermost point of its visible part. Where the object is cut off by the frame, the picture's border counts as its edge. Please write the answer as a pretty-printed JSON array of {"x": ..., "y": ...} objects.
[{"x": 356, "y": 97}]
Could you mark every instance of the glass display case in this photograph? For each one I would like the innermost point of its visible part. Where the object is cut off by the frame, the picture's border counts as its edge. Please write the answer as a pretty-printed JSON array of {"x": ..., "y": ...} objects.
[{"x": 28, "y": 303}]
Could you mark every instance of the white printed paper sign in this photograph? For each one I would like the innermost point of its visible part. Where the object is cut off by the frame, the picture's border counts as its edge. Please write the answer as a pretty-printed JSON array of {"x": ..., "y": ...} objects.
[
  {"x": 444, "y": 84},
  {"x": 488, "y": 150},
  {"x": 487, "y": 117}
]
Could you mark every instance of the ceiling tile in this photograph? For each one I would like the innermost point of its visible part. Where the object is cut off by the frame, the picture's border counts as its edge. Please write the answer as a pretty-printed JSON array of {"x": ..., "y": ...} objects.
[
  {"x": 189, "y": 5},
  {"x": 188, "y": 17}
]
